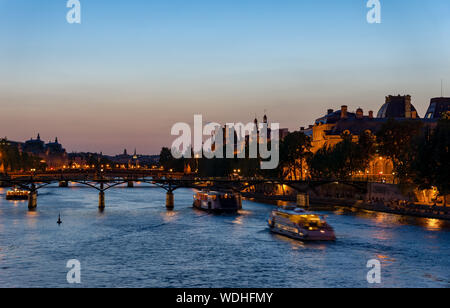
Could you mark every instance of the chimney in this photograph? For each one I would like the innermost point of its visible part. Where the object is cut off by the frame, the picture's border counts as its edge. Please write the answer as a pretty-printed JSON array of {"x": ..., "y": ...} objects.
[
  {"x": 414, "y": 114},
  {"x": 359, "y": 113},
  {"x": 370, "y": 114},
  {"x": 344, "y": 110},
  {"x": 408, "y": 108},
  {"x": 330, "y": 111}
]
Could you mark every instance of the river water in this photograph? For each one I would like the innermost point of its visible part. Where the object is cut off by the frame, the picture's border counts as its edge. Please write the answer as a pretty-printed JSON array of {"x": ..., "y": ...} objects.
[{"x": 135, "y": 242}]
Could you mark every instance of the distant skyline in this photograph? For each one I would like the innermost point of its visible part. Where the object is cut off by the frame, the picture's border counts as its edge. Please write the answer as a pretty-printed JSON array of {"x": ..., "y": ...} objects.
[{"x": 134, "y": 68}]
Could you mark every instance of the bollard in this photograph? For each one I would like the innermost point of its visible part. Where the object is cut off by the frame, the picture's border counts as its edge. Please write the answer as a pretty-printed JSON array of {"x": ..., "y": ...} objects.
[
  {"x": 170, "y": 201},
  {"x": 32, "y": 200},
  {"x": 101, "y": 200}
]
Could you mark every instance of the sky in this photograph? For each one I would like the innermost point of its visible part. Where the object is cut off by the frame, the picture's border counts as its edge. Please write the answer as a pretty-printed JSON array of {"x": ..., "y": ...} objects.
[{"x": 132, "y": 69}]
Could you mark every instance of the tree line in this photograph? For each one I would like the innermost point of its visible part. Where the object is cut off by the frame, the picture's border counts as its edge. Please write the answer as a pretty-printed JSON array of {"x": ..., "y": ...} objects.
[{"x": 419, "y": 154}]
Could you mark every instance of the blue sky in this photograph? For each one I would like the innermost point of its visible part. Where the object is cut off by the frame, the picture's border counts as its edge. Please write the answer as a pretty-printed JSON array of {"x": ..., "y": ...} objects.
[{"x": 133, "y": 68}]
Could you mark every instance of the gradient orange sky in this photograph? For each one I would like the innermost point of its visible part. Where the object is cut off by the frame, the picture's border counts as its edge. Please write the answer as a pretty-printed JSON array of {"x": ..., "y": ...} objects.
[{"x": 131, "y": 70}]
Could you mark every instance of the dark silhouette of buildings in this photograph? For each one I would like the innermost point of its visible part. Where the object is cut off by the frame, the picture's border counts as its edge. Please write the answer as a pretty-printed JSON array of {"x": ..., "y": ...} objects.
[
  {"x": 53, "y": 153},
  {"x": 437, "y": 107},
  {"x": 398, "y": 107}
]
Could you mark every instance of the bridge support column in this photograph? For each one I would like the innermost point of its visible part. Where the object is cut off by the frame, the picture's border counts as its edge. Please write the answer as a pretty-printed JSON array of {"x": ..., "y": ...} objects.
[
  {"x": 303, "y": 199},
  {"x": 32, "y": 200},
  {"x": 240, "y": 201},
  {"x": 130, "y": 184},
  {"x": 101, "y": 200},
  {"x": 170, "y": 201},
  {"x": 63, "y": 184}
]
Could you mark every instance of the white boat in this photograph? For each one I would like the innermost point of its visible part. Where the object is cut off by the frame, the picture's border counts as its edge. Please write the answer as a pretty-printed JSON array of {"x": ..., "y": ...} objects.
[
  {"x": 218, "y": 202},
  {"x": 298, "y": 224}
]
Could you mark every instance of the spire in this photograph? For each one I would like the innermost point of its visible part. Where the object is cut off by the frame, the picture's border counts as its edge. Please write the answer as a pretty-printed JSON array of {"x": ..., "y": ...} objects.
[
  {"x": 56, "y": 140},
  {"x": 39, "y": 136}
]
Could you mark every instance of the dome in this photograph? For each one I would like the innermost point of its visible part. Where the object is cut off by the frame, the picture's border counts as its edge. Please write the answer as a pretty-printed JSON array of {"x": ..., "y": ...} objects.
[{"x": 397, "y": 107}]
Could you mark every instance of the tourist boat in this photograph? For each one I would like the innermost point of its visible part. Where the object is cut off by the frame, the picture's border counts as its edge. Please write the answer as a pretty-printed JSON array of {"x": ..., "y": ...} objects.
[
  {"x": 17, "y": 194},
  {"x": 218, "y": 202},
  {"x": 298, "y": 224}
]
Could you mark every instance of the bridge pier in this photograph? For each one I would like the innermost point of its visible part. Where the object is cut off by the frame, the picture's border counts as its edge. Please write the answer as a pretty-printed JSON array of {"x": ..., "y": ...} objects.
[
  {"x": 303, "y": 200},
  {"x": 240, "y": 201},
  {"x": 32, "y": 200},
  {"x": 170, "y": 201},
  {"x": 130, "y": 184},
  {"x": 63, "y": 184},
  {"x": 101, "y": 200}
]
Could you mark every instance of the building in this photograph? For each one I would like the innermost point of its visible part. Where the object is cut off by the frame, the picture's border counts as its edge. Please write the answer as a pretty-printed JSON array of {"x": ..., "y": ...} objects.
[
  {"x": 438, "y": 106},
  {"x": 397, "y": 107},
  {"x": 329, "y": 129},
  {"x": 52, "y": 153},
  {"x": 126, "y": 160}
]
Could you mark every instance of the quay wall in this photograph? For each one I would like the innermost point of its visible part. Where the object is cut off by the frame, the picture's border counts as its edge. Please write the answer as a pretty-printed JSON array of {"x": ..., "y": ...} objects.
[{"x": 378, "y": 197}]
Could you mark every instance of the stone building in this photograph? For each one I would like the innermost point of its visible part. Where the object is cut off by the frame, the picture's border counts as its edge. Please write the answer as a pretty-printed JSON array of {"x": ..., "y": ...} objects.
[
  {"x": 52, "y": 153},
  {"x": 329, "y": 129}
]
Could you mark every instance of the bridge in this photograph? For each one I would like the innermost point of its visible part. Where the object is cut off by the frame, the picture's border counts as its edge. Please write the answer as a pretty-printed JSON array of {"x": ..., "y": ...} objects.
[{"x": 103, "y": 180}]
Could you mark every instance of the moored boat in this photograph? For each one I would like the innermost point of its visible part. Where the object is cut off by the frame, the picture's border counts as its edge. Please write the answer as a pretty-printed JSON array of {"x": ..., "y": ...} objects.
[
  {"x": 17, "y": 194},
  {"x": 298, "y": 224},
  {"x": 218, "y": 202}
]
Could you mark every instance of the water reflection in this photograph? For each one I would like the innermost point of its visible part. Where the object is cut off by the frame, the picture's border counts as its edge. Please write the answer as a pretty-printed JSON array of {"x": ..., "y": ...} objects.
[
  {"x": 434, "y": 224},
  {"x": 239, "y": 220},
  {"x": 199, "y": 246},
  {"x": 386, "y": 220},
  {"x": 169, "y": 216},
  {"x": 32, "y": 218},
  {"x": 385, "y": 258}
]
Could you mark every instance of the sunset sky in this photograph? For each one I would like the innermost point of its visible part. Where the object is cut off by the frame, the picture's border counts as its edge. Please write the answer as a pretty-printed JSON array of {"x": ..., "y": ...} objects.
[{"x": 134, "y": 68}]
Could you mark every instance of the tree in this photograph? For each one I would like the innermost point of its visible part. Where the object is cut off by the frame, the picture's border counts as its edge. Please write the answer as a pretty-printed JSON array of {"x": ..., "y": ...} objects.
[
  {"x": 295, "y": 148},
  {"x": 169, "y": 162},
  {"x": 344, "y": 159},
  {"x": 397, "y": 140},
  {"x": 432, "y": 162}
]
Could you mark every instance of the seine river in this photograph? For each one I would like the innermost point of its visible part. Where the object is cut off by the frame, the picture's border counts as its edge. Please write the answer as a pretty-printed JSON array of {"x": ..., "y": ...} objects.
[{"x": 135, "y": 242}]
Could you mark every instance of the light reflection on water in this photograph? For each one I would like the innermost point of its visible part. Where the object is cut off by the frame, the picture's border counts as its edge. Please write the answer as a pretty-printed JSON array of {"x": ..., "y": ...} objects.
[
  {"x": 387, "y": 220},
  {"x": 434, "y": 224},
  {"x": 135, "y": 242},
  {"x": 169, "y": 216}
]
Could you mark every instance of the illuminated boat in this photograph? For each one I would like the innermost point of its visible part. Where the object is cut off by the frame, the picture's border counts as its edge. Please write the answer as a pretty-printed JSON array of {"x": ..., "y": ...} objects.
[
  {"x": 297, "y": 224},
  {"x": 218, "y": 202},
  {"x": 17, "y": 194}
]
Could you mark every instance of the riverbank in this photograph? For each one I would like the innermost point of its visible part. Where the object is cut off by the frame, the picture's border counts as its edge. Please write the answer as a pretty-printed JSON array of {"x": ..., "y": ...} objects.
[{"x": 318, "y": 204}]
